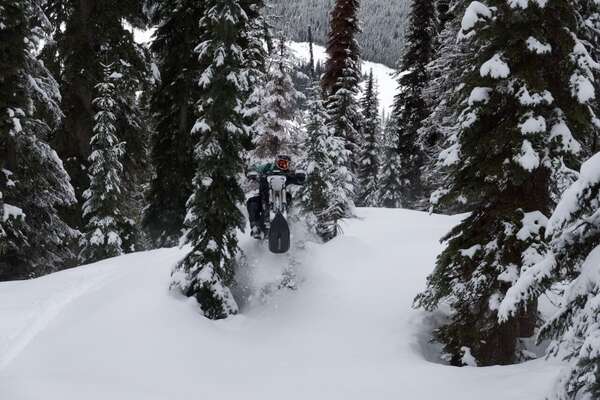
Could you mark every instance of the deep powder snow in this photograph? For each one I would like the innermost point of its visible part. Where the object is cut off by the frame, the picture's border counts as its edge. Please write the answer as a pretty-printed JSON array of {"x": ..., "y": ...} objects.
[{"x": 329, "y": 321}]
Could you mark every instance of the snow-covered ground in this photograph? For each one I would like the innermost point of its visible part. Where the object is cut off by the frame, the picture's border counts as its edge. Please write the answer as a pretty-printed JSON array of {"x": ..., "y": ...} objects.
[
  {"x": 112, "y": 330},
  {"x": 386, "y": 83}
]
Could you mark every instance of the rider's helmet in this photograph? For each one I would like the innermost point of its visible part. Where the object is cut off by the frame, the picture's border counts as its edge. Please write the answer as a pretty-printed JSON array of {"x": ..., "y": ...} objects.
[{"x": 283, "y": 162}]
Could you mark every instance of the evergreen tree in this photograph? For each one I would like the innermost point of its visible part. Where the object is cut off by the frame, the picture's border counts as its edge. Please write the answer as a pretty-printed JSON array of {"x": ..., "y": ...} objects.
[
  {"x": 256, "y": 61},
  {"x": 369, "y": 154},
  {"x": 439, "y": 130},
  {"x": 320, "y": 194},
  {"x": 172, "y": 108},
  {"x": 574, "y": 233},
  {"x": 105, "y": 223},
  {"x": 213, "y": 212},
  {"x": 256, "y": 58},
  {"x": 33, "y": 183},
  {"x": 388, "y": 180},
  {"x": 311, "y": 55},
  {"x": 275, "y": 108},
  {"x": 528, "y": 89},
  {"x": 75, "y": 54},
  {"x": 342, "y": 76},
  {"x": 410, "y": 108}
]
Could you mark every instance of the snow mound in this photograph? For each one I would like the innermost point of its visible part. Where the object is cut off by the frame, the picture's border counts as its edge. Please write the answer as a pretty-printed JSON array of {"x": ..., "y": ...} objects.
[{"x": 329, "y": 321}]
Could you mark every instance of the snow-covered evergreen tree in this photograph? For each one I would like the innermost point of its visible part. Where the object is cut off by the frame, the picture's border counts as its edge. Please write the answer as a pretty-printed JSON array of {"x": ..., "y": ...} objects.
[
  {"x": 410, "y": 108},
  {"x": 256, "y": 58},
  {"x": 439, "y": 130},
  {"x": 340, "y": 82},
  {"x": 274, "y": 105},
  {"x": 75, "y": 54},
  {"x": 321, "y": 195},
  {"x": 213, "y": 209},
  {"x": 388, "y": 181},
  {"x": 574, "y": 230},
  {"x": 172, "y": 108},
  {"x": 105, "y": 223},
  {"x": 33, "y": 183},
  {"x": 311, "y": 55},
  {"x": 368, "y": 162},
  {"x": 521, "y": 119}
]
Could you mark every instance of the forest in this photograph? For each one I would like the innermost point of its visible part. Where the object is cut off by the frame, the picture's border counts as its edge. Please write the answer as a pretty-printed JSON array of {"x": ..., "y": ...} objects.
[{"x": 109, "y": 147}]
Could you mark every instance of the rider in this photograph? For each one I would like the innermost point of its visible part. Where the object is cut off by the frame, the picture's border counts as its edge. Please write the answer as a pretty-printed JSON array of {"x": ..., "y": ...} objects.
[{"x": 257, "y": 204}]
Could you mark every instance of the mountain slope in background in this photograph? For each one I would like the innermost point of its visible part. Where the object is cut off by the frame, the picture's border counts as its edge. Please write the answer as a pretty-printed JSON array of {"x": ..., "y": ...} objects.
[
  {"x": 382, "y": 22},
  {"x": 329, "y": 321},
  {"x": 384, "y": 76}
]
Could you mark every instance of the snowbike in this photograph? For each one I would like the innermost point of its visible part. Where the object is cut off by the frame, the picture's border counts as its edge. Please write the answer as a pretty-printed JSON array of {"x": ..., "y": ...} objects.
[{"x": 275, "y": 211}]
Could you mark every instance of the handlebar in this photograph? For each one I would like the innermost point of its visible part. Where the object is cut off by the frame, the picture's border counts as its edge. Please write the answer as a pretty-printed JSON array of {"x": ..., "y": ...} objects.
[{"x": 298, "y": 177}]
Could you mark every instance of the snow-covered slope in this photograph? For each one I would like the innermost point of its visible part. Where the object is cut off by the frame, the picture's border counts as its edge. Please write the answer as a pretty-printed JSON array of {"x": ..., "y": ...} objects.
[
  {"x": 112, "y": 330},
  {"x": 387, "y": 85}
]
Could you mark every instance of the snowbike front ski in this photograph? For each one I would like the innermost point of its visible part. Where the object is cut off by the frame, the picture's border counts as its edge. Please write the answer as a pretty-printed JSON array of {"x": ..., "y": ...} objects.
[{"x": 279, "y": 235}]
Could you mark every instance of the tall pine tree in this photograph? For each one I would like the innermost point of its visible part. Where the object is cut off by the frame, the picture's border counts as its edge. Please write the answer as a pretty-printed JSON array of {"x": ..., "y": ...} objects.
[
  {"x": 320, "y": 194},
  {"x": 439, "y": 130},
  {"x": 368, "y": 162},
  {"x": 106, "y": 227},
  {"x": 388, "y": 183},
  {"x": 213, "y": 212},
  {"x": 172, "y": 108},
  {"x": 574, "y": 230},
  {"x": 340, "y": 85},
  {"x": 311, "y": 55},
  {"x": 523, "y": 100},
  {"x": 33, "y": 183},
  {"x": 342, "y": 76},
  {"x": 410, "y": 108},
  {"x": 75, "y": 54},
  {"x": 275, "y": 108}
]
